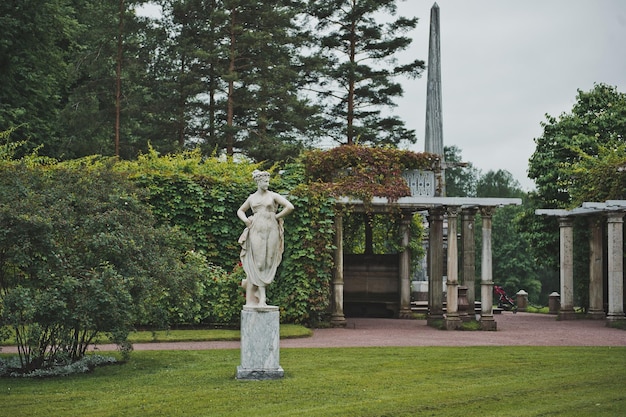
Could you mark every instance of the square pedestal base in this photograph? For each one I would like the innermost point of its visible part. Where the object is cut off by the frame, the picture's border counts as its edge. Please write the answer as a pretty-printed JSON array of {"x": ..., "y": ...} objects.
[
  {"x": 259, "y": 374},
  {"x": 260, "y": 336},
  {"x": 488, "y": 324}
]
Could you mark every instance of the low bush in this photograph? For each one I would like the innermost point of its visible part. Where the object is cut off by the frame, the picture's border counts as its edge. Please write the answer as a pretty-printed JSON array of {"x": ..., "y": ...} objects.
[{"x": 12, "y": 367}]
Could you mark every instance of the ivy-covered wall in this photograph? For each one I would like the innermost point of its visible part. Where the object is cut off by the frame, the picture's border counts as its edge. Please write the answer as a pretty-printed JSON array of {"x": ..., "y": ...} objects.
[
  {"x": 201, "y": 196},
  {"x": 192, "y": 202}
]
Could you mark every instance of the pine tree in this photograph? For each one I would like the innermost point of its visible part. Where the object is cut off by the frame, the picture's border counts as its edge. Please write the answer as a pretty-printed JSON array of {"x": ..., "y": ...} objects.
[
  {"x": 36, "y": 38},
  {"x": 358, "y": 81},
  {"x": 267, "y": 117},
  {"x": 93, "y": 119},
  {"x": 232, "y": 68}
]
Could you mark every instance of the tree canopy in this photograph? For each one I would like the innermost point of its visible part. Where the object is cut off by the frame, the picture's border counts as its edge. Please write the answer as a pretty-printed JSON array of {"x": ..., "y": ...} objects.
[
  {"x": 580, "y": 155},
  {"x": 229, "y": 76},
  {"x": 358, "y": 78}
]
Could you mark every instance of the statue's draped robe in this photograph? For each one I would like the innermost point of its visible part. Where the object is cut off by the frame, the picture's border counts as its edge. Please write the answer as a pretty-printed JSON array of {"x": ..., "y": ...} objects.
[{"x": 262, "y": 243}]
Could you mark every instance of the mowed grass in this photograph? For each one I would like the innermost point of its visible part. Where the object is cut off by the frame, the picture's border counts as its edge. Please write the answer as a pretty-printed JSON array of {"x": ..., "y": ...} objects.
[
  {"x": 287, "y": 331},
  {"x": 416, "y": 381}
]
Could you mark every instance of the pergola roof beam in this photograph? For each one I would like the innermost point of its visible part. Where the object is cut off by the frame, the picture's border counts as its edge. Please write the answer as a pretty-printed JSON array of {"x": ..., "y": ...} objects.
[
  {"x": 422, "y": 203},
  {"x": 588, "y": 207}
]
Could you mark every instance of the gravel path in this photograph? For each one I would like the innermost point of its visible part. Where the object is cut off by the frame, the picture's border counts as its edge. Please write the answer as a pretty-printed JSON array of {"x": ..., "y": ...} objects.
[{"x": 521, "y": 329}]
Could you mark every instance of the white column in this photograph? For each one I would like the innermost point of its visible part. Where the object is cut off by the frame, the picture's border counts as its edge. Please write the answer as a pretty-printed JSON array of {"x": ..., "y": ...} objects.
[
  {"x": 405, "y": 267},
  {"x": 596, "y": 290},
  {"x": 616, "y": 266},
  {"x": 469, "y": 256},
  {"x": 337, "y": 317},
  {"x": 487, "y": 321},
  {"x": 435, "y": 265},
  {"x": 452, "y": 315},
  {"x": 566, "y": 231}
]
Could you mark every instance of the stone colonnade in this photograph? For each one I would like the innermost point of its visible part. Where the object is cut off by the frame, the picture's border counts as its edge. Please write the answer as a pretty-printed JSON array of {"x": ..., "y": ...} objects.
[
  {"x": 438, "y": 208},
  {"x": 612, "y": 213}
]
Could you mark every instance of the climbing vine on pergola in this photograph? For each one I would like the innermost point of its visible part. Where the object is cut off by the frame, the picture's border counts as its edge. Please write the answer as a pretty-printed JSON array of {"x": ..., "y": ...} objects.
[{"x": 364, "y": 172}]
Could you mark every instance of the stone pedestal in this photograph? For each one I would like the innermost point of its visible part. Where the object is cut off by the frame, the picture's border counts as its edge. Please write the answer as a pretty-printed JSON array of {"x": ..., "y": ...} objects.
[
  {"x": 260, "y": 336},
  {"x": 521, "y": 299},
  {"x": 554, "y": 303}
]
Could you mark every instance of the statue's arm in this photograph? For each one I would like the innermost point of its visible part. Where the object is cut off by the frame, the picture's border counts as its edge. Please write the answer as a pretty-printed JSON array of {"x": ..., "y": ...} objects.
[
  {"x": 241, "y": 213},
  {"x": 287, "y": 206}
]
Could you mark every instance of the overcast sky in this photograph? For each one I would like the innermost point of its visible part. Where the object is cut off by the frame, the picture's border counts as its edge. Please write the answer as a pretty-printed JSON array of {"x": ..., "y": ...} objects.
[{"x": 505, "y": 64}]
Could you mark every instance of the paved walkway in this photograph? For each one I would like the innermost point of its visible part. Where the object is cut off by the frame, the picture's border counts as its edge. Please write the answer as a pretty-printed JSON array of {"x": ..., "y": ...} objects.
[{"x": 521, "y": 329}]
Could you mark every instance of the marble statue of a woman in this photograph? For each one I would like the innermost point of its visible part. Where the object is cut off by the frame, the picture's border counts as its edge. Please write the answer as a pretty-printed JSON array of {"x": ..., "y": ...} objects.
[{"x": 262, "y": 240}]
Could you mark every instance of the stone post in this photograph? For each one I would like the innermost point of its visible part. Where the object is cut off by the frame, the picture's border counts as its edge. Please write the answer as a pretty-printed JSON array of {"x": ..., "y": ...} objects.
[
  {"x": 596, "y": 290},
  {"x": 453, "y": 321},
  {"x": 337, "y": 317},
  {"x": 487, "y": 321},
  {"x": 405, "y": 267},
  {"x": 468, "y": 272},
  {"x": 554, "y": 303},
  {"x": 260, "y": 338},
  {"x": 566, "y": 228},
  {"x": 615, "y": 222},
  {"x": 521, "y": 299},
  {"x": 435, "y": 265}
]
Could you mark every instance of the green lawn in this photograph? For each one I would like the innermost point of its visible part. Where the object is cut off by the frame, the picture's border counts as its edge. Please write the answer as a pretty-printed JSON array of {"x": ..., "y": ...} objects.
[
  {"x": 287, "y": 331},
  {"x": 416, "y": 381}
]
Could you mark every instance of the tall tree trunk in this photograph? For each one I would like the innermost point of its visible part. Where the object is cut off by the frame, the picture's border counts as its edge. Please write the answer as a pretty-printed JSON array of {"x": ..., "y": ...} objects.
[
  {"x": 351, "y": 84},
  {"x": 212, "y": 84},
  {"x": 212, "y": 109},
  {"x": 118, "y": 79},
  {"x": 230, "y": 135},
  {"x": 181, "y": 101}
]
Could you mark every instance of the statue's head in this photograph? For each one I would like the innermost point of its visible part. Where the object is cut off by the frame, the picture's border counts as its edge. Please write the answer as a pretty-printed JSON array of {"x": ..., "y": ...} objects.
[{"x": 260, "y": 175}]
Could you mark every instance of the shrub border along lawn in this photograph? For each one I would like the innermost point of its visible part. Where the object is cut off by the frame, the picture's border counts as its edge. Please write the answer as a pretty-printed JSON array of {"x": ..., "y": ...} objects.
[
  {"x": 433, "y": 381},
  {"x": 287, "y": 331}
]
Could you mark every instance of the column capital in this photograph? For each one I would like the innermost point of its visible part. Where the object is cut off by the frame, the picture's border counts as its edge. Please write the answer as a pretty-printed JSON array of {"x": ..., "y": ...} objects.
[
  {"x": 487, "y": 211},
  {"x": 453, "y": 211},
  {"x": 469, "y": 213},
  {"x": 615, "y": 217},
  {"x": 435, "y": 213},
  {"x": 566, "y": 221}
]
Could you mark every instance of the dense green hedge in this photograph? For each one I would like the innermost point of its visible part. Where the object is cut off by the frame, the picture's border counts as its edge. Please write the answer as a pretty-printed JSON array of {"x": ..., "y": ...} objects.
[
  {"x": 96, "y": 245},
  {"x": 303, "y": 280},
  {"x": 201, "y": 196},
  {"x": 80, "y": 255}
]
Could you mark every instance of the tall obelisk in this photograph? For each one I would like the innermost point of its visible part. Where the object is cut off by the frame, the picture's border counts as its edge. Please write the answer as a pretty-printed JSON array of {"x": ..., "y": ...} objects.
[{"x": 434, "y": 121}]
